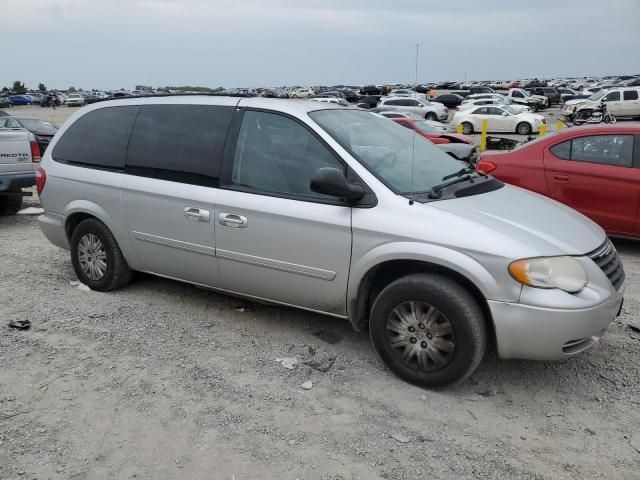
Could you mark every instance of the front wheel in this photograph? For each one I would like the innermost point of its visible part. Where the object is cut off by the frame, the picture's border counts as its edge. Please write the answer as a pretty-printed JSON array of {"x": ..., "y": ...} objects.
[
  {"x": 467, "y": 128},
  {"x": 431, "y": 116},
  {"x": 96, "y": 257},
  {"x": 428, "y": 330},
  {"x": 581, "y": 117}
]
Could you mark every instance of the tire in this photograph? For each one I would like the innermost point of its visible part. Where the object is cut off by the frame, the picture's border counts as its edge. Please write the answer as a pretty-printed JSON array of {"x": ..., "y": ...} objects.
[
  {"x": 431, "y": 116},
  {"x": 457, "y": 327},
  {"x": 579, "y": 119},
  {"x": 10, "y": 204},
  {"x": 116, "y": 272},
  {"x": 467, "y": 128},
  {"x": 524, "y": 128}
]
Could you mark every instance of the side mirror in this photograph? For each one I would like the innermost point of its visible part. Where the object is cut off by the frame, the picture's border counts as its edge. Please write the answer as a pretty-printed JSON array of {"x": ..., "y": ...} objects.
[
  {"x": 505, "y": 114},
  {"x": 331, "y": 181}
]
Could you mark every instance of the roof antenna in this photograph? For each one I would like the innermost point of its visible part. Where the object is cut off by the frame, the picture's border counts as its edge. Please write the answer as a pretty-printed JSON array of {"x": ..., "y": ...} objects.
[{"x": 413, "y": 144}]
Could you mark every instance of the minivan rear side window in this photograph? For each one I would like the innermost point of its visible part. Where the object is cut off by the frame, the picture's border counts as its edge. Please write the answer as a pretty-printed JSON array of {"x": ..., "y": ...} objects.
[
  {"x": 630, "y": 95},
  {"x": 180, "y": 143},
  {"x": 98, "y": 139}
]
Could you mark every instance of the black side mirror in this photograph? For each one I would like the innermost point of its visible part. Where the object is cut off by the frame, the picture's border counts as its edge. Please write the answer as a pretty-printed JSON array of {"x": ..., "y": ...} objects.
[{"x": 331, "y": 181}]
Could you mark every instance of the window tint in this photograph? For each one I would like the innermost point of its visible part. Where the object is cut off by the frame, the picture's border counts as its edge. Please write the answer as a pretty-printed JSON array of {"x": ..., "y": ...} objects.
[
  {"x": 562, "y": 150},
  {"x": 98, "y": 138},
  {"x": 11, "y": 123},
  {"x": 518, "y": 95},
  {"x": 181, "y": 143},
  {"x": 481, "y": 111},
  {"x": 605, "y": 149},
  {"x": 630, "y": 95},
  {"x": 392, "y": 102},
  {"x": 406, "y": 125},
  {"x": 277, "y": 154},
  {"x": 612, "y": 97},
  {"x": 413, "y": 103},
  {"x": 494, "y": 111}
]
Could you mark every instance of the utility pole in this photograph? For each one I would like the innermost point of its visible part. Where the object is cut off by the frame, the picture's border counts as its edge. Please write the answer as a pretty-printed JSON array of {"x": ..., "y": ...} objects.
[{"x": 417, "y": 50}]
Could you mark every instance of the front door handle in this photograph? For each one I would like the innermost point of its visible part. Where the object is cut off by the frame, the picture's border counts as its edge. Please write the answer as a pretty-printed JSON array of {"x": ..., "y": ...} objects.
[
  {"x": 561, "y": 178},
  {"x": 232, "y": 220},
  {"x": 197, "y": 214}
]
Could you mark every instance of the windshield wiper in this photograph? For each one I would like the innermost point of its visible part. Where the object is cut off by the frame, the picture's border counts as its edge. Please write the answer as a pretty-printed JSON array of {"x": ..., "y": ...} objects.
[
  {"x": 463, "y": 175},
  {"x": 468, "y": 169}
]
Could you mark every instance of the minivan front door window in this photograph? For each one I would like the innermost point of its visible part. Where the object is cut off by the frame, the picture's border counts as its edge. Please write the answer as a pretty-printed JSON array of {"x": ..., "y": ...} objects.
[{"x": 277, "y": 154}]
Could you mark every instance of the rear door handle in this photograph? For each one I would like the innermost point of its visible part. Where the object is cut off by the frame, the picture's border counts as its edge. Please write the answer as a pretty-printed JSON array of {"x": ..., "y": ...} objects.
[
  {"x": 232, "y": 220},
  {"x": 196, "y": 214},
  {"x": 561, "y": 178}
]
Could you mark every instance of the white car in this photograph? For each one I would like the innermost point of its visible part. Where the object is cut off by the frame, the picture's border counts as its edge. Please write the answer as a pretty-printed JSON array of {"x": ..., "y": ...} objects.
[
  {"x": 302, "y": 93},
  {"x": 499, "y": 119},
  {"x": 484, "y": 96},
  {"x": 405, "y": 92},
  {"x": 336, "y": 100},
  {"x": 440, "y": 127},
  {"x": 74, "y": 100},
  {"x": 469, "y": 104},
  {"x": 421, "y": 107},
  {"x": 621, "y": 102}
]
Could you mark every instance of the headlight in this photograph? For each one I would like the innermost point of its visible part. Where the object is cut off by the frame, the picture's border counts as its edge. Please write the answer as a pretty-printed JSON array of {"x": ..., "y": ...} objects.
[{"x": 564, "y": 273}]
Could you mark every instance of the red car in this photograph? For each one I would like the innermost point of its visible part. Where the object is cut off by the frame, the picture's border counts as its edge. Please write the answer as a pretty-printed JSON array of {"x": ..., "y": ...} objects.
[
  {"x": 593, "y": 169},
  {"x": 430, "y": 133}
]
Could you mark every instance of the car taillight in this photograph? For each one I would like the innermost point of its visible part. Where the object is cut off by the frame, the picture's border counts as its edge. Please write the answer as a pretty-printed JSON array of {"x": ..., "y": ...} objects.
[
  {"x": 41, "y": 179},
  {"x": 35, "y": 151},
  {"x": 485, "y": 166}
]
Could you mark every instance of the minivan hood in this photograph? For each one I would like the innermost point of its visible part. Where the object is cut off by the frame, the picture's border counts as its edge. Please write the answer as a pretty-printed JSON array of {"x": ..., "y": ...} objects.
[{"x": 544, "y": 225}]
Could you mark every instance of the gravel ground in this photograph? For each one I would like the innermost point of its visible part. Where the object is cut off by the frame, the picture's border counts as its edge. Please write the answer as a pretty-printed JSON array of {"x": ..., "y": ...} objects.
[{"x": 161, "y": 380}]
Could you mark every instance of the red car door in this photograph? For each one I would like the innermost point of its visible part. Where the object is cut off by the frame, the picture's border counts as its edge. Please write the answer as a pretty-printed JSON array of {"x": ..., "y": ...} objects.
[{"x": 594, "y": 174}]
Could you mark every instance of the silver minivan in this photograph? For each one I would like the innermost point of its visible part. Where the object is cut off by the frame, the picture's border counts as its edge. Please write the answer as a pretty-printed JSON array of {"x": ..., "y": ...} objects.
[{"x": 334, "y": 210}]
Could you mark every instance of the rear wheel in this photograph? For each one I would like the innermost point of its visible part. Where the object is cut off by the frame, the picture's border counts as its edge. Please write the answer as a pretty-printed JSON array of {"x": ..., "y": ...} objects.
[
  {"x": 523, "y": 128},
  {"x": 96, "y": 257},
  {"x": 467, "y": 128},
  {"x": 581, "y": 117},
  {"x": 431, "y": 116},
  {"x": 428, "y": 329}
]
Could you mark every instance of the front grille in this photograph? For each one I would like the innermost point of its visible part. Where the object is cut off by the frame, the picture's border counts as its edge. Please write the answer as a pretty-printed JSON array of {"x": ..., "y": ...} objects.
[{"x": 607, "y": 259}]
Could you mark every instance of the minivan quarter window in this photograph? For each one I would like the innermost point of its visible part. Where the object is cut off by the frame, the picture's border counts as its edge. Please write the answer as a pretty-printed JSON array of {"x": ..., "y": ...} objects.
[
  {"x": 276, "y": 154},
  {"x": 98, "y": 139}
]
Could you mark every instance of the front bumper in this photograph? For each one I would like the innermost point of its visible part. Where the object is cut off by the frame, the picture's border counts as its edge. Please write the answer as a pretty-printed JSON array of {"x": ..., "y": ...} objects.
[
  {"x": 538, "y": 333},
  {"x": 14, "y": 182}
]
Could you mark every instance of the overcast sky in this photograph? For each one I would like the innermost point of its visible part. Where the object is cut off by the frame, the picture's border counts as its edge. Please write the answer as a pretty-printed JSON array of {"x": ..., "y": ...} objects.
[{"x": 121, "y": 43}]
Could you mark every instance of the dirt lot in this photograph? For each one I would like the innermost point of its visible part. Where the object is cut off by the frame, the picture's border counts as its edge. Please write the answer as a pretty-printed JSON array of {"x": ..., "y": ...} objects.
[{"x": 162, "y": 381}]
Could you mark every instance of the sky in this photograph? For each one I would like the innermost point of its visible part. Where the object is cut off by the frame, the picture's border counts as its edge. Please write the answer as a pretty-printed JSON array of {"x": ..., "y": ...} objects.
[{"x": 250, "y": 43}]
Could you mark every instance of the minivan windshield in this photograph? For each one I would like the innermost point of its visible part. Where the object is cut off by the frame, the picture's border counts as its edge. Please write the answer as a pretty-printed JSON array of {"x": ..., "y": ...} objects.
[{"x": 388, "y": 150}]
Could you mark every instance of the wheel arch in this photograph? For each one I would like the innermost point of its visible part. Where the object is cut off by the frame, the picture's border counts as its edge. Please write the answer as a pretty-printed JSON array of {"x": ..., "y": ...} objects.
[
  {"x": 369, "y": 280},
  {"x": 80, "y": 210}
]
